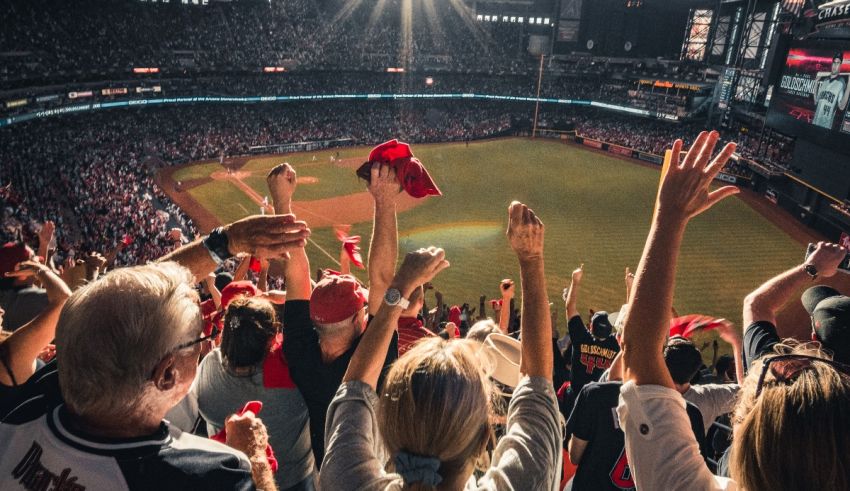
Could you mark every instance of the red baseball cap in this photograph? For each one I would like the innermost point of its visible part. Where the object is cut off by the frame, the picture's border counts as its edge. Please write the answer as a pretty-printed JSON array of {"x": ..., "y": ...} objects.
[
  {"x": 12, "y": 253},
  {"x": 336, "y": 297},
  {"x": 235, "y": 289}
]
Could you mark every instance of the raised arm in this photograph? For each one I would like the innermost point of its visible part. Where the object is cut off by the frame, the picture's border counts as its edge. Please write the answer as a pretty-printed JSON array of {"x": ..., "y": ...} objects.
[
  {"x": 241, "y": 271},
  {"x": 383, "y": 249},
  {"x": 27, "y": 342},
  {"x": 729, "y": 333},
  {"x": 765, "y": 301},
  {"x": 209, "y": 281},
  {"x": 571, "y": 294},
  {"x": 269, "y": 236},
  {"x": 368, "y": 360},
  {"x": 525, "y": 235},
  {"x": 45, "y": 236},
  {"x": 507, "y": 288},
  {"x": 684, "y": 194},
  {"x": 281, "y": 181}
]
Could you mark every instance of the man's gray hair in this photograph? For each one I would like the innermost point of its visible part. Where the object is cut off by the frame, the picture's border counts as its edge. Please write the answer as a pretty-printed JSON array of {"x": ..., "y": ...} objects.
[{"x": 112, "y": 332}]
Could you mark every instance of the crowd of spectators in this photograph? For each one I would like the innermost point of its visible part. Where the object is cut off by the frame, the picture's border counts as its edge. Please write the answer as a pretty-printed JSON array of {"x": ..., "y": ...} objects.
[
  {"x": 94, "y": 174},
  {"x": 127, "y": 381},
  {"x": 49, "y": 38}
]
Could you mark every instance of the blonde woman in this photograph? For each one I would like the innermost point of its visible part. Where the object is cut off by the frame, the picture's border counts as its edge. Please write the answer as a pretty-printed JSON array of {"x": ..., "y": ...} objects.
[
  {"x": 791, "y": 429},
  {"x": 432, "y": 416}
]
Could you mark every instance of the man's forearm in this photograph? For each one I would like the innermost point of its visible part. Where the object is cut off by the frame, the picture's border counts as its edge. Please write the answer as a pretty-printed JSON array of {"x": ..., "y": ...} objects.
[
  {"x": 261, "y": 472},
  {"x": 572, "y": 295},
  {"x": 764, "y": 303},
  {"x": 383, "y": 249},
  {"x": 536, "y": 326},
  {"x": 194, "y": 256}
]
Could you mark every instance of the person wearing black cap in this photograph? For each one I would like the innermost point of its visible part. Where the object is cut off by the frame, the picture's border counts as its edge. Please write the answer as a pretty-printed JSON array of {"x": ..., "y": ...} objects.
[
  {"x": 828, "y": 309},
  {"x": 593, "y": 350}
]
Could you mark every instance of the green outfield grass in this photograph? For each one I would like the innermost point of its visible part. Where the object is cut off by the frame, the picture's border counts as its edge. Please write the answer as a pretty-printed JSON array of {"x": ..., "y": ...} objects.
[{"x": 596, "y": 210}]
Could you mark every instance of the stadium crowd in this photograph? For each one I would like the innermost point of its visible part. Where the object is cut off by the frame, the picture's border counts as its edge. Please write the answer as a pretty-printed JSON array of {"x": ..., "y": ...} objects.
[
  {"x": 95, "y": 177},
  {"x": 337, "y": 384},
  {"x": 47, "y": 39}
]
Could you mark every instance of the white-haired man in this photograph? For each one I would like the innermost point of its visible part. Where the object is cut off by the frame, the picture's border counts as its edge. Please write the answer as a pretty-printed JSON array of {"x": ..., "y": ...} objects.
[{"x": 128, "y": 348}]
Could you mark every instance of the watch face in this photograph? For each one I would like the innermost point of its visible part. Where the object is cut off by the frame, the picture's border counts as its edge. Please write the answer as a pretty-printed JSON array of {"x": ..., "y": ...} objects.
[{"x": 392, "y": 296}]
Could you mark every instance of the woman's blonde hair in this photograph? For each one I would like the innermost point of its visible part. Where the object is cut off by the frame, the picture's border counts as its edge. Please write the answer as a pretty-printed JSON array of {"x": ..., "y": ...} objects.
[
  {"x": 436, "y": 404},
  {"x": 796, "y": 433}
]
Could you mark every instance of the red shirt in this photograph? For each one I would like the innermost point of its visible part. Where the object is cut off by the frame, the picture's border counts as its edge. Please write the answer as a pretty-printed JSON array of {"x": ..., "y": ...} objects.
[{"x": 410, "y": 330}]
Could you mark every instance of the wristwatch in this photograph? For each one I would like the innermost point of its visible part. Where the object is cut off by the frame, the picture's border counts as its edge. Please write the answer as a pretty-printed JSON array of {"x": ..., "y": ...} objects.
[
  {"x": 216, "y": 244},
  {"x": 393, "y": 298},
  {"x": 811, "y": 270}
]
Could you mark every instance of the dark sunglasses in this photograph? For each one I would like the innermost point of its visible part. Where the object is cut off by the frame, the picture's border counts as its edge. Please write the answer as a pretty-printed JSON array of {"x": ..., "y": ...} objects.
[{"x": 785, "y": 368}]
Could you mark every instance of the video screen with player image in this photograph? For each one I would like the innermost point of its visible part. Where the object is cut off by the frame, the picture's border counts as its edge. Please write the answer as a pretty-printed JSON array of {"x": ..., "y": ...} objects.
[{"x": 815, "y": 86}]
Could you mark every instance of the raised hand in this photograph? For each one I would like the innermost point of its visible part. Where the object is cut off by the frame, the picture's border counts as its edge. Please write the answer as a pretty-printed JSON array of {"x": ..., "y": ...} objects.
[
  {"x": 684, "y": 191},
  {"x": 383, "y": 185},
  {"x": 247, "y": 433},
  {"x": 45, "y": 235},
  {"x": 267, "y": 236},
  {"x": 281, "y": 181},
  {"x": 421, "y": 266},
  {"x": 508, "y": 288},
  {"x": 826, "y": 257},
  {"x": 525, "y": 232},
  {"x": 57, "y": 290},
  {"x": 578, "y": 274}
]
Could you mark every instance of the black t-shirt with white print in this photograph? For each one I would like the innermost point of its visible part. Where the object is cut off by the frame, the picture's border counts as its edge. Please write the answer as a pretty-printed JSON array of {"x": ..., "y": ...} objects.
[
  {"x": 590, "y": 356},
  {"x": 42, "y": 450}
]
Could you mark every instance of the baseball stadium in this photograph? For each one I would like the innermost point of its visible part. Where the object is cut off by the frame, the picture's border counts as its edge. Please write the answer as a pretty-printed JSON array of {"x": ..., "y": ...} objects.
[{"x": 425, "y": 245}]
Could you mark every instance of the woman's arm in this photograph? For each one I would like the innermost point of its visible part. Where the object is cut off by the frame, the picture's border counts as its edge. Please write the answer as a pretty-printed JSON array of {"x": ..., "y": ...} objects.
[
  {"x": 684, "y": 193},
  {"x": 368, "y": 360}
]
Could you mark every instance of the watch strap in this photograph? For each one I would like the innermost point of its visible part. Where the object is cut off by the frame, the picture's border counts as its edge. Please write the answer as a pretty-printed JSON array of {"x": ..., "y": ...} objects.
[{"x": 217, "y": 244}]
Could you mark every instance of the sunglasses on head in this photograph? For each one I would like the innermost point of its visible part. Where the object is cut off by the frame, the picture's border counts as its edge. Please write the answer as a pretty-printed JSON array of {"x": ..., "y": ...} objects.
[{"x": 786, "y": 368}]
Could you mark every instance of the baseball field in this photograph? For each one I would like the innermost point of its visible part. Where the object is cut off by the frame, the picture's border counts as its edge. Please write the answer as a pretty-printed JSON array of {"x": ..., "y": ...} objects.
[{"x": 596, "y": 209}]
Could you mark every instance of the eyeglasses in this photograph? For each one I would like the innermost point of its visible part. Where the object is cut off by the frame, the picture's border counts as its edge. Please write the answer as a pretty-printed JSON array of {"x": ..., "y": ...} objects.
[
  {"x": 785, "y": 368},
  {"x": 189, "y": 344},
  {"x": 212, "y": 335}
]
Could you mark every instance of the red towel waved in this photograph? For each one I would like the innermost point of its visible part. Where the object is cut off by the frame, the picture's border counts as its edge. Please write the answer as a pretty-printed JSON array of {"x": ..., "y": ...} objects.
[
  {"x": 410, "y": 172},
  {"x": 687, "y": 325},
  {"x": 255, "y": 407}
]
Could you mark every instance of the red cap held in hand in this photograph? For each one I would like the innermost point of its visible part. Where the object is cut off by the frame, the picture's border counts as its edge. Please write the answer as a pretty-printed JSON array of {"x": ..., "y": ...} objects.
[{"x": 410, "y": 172}]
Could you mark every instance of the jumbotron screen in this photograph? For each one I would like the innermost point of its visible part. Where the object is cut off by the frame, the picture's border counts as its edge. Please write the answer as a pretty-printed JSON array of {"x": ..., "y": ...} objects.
[{"x": 812, "y": 98}]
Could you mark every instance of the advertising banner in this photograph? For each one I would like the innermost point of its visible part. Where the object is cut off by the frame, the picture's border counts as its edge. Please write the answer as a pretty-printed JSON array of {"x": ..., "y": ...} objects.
[{"x": 592, "y": 143}]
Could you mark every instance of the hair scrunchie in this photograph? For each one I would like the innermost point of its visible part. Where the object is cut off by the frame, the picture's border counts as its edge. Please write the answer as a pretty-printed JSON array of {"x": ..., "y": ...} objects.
[{"x": 416, "y": 468}]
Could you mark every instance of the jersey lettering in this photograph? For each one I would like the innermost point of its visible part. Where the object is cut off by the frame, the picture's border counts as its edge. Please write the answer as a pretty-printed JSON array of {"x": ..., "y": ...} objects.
[
  {"x": 621, "y": 474},
  {"x": 33, "y": 476}
]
